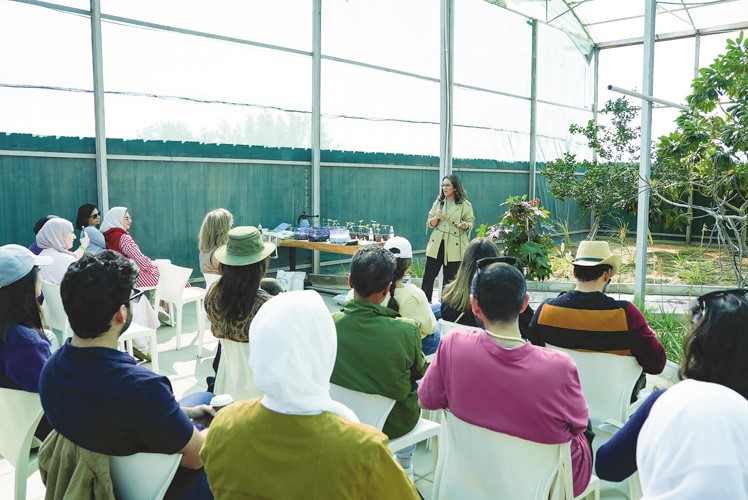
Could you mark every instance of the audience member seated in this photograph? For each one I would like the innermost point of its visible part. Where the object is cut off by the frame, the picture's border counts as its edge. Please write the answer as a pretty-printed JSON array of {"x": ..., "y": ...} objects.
[
  {"x": 379, "y": 352},
  {"x": 214, "y": 232},
  {"x": 409, "y": 300},
  {"x": 98, "y": 398},
  {"x": 496, "y": 380},
  {"x": 587, "y": 319},
  {"x": 690, "y": 441},
  {"x": 56, "y": 239},
  {"x": 37, "y": 227},
  {"x": 296, "y": 442},
  {"x": 115, "y": 227},
  {"x": 24, "y": 346},
  {"x": 234, "y": 300},
  {"x": 88, "y": 218},
  {"x": 455, "y": 305}
]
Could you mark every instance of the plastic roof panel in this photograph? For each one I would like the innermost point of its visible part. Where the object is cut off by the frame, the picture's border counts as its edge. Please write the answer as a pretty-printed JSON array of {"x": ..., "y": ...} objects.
[{"x": 605, "y": 21}]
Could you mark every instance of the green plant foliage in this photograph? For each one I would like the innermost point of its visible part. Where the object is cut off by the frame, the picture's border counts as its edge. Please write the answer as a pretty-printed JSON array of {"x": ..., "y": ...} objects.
[
  {"x": 708, "y": 151},
  {"x": 524, "y": 232},
  {"x": 670, "y": 330},
  {"x": 608, "y": 186}
]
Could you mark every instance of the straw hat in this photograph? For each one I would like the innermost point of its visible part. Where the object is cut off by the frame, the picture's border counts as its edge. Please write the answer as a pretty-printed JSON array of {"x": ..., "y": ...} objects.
[
  {"x": 244, "y": 247},
  {"x": 596, "y": 253}
]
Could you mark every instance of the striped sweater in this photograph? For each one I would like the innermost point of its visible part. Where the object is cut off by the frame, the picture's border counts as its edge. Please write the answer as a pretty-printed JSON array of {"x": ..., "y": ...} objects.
[{"x": 595, "y": 322}]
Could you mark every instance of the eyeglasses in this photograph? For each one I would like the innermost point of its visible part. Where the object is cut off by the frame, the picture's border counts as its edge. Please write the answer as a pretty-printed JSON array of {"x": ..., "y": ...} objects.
[
  {"x": 447, "y": 185},
  {"x": 135, "y": 297},
  {"x": 704, "y": 300},
  {"x": 95, "y": 216}
]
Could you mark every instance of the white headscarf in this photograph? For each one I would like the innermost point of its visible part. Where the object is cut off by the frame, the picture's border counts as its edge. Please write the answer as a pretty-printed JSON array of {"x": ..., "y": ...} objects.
[
  {"x": 115, "y": 217},
  {"x": 292, "y": 349},
  {"x": 54, "y": 233}
]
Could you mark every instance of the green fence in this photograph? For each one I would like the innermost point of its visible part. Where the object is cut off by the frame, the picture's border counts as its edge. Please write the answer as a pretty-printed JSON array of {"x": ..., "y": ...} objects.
[{"x": 169, "y": 186}]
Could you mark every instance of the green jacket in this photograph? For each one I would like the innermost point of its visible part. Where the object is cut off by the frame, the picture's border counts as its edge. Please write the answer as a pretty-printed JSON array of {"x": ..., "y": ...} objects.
[{"x": 380, "y": 353}]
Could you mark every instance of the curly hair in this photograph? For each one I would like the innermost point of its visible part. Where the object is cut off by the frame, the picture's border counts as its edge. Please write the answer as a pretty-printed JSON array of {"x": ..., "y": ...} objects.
[
  {"x": 94, "y": 288},
  {"x": 716, "y": 348}
]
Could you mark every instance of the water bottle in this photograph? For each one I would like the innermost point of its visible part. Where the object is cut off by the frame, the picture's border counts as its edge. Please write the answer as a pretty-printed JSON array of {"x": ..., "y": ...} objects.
[
  {"x": 392, "y": 232},
  {"x": 259, "y": 228},
  {"x": 371, "y": 234}
]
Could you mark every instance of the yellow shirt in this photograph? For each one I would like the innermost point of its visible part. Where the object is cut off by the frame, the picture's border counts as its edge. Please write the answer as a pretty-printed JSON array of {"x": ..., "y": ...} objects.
[{"x": 254, "y": 452}]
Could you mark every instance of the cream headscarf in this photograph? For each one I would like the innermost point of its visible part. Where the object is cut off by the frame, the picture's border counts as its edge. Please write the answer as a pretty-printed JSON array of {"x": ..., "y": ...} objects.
[
  {"x": 292, "y": 349},
  {"x": 115, "y": 217},
  {"x": 54, "y": 233}
]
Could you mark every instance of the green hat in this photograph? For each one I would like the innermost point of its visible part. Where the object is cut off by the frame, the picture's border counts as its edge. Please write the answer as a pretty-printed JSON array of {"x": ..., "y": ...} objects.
[{"x": 244, "y": 247}]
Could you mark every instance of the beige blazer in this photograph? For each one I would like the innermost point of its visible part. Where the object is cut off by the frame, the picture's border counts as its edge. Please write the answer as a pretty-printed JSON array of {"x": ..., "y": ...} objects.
[{"x": 455, "y": 239}]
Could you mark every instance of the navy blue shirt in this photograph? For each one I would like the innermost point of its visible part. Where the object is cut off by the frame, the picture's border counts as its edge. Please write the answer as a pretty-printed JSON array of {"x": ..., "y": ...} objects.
[
  {"x": 22, "y": 356},
  {"x": 616, "y": 459},
  {"x": 100, "y": 399}
]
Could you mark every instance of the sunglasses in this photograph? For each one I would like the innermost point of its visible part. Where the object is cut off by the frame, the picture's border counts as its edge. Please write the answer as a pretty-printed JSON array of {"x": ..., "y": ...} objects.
[
  {"x": 707, "y": 298},
  {"x": 95, "y": 216},
  {"x": 135, "y": 297},
  {"x": 512, "y": 261}
]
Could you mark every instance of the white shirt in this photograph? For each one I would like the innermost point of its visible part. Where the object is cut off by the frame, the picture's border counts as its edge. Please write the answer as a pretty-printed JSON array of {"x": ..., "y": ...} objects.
[{"x": 694, "y": 444}]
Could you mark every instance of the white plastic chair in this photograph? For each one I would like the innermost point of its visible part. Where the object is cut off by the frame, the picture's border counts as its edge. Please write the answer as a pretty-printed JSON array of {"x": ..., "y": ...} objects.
[
  {"x": 210, "y": 279},
  {"x": 478, "y": 463},
  {"x": 365, "y": 406},
  {"x": 143, "y": 475},
  {"x": 171, "y": 289},
  {"x": 371, "y": 409},
  {"x": 445, "y": 327},
  {"x": 607, "y": 382},
  {"x": 136, "y": 331},
  {"x": 20, "y": 413},
  {"x": 53, "y": 311},
  {"x": 234, "y": 375}
]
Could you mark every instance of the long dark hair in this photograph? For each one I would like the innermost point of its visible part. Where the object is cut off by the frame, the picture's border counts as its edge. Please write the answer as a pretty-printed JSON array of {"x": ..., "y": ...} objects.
[
  {"x": 84, "y": 213},
  {"x": 18, "y": 305},
  {"x": 402, "y": 266},
  {"x": 460, "y": 192},
  {"x": 716, "y": 348},
  {"x": 237, "y": 289}
]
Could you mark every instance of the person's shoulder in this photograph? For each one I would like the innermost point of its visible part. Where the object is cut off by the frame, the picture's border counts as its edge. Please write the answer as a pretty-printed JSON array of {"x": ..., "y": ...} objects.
[
  {"x": 356, "y": 433},
  {"x": 406, "y": 324},
  {"x": 24, "y": 334},
  {"x": 554, "y": 358}
]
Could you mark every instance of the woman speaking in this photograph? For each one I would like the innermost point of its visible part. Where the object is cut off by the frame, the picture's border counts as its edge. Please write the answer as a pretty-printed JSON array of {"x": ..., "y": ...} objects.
[{"x": 451, "y": 217}]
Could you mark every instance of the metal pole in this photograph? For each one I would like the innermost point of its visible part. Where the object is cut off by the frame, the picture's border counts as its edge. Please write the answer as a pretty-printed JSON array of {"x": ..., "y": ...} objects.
[
  {"x": 102, "y": 177},
  {"x": 316, "y": 125},
  {"x": 533, "y": 108},
  {"x": 446, "y": 84},
  {"x": 689, "y": 212},
  {"x": 648, "y": 97},
  {"x": 642, "y": 219}
]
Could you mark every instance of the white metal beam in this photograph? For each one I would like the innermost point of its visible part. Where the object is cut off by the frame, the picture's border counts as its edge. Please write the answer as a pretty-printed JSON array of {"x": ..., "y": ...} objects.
[
  {"x": 102, "y": 176},
  {"x": 316, "y": 116},
  {"x": 533, "y": 108},
  {"x": 446, "y": 86},
  {"x": 642, "y": 218}
]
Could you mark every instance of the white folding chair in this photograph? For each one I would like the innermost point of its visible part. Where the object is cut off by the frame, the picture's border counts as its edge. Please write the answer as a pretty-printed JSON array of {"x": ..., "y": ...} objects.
[
  {"x": 365, "y": 406},
  {"x": 20, "y": 413},
  {"x": 136, "y": 331},
  {"x": 371, "y": 409},
  {"x": 234, "y": 375},
  {"x": 53, "y": 311},
  {"x": 143, "y": 475},
  {"x": 171, "y": 289},
  {"x": 479, "y": 463},
  {"x": 210, "y": 279},
  {"x": 445, "y": 328},
  {"x": 607, "y": 382}
]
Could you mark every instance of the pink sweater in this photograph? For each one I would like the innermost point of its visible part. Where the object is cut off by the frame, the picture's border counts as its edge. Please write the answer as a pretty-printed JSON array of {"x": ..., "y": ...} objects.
[{"x": 529, "y": 392}]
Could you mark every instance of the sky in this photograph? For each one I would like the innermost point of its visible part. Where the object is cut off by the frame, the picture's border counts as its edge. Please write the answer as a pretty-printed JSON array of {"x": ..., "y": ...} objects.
[{"x": 363, "y": 109}]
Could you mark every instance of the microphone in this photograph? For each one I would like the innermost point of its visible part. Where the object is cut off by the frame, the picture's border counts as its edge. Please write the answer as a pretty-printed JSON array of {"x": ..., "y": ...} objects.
[{"x": 441, "y": 204}]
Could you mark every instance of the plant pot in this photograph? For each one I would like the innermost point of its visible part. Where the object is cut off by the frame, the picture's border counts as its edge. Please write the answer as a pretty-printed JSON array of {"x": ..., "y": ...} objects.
[{"x": 378, "y": 237}]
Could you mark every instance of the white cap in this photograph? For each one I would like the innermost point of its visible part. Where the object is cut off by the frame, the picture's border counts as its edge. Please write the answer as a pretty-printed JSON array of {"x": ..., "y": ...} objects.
[
  {"x": 17, "y": 261},
  {"x": 405, "y": 251}
]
